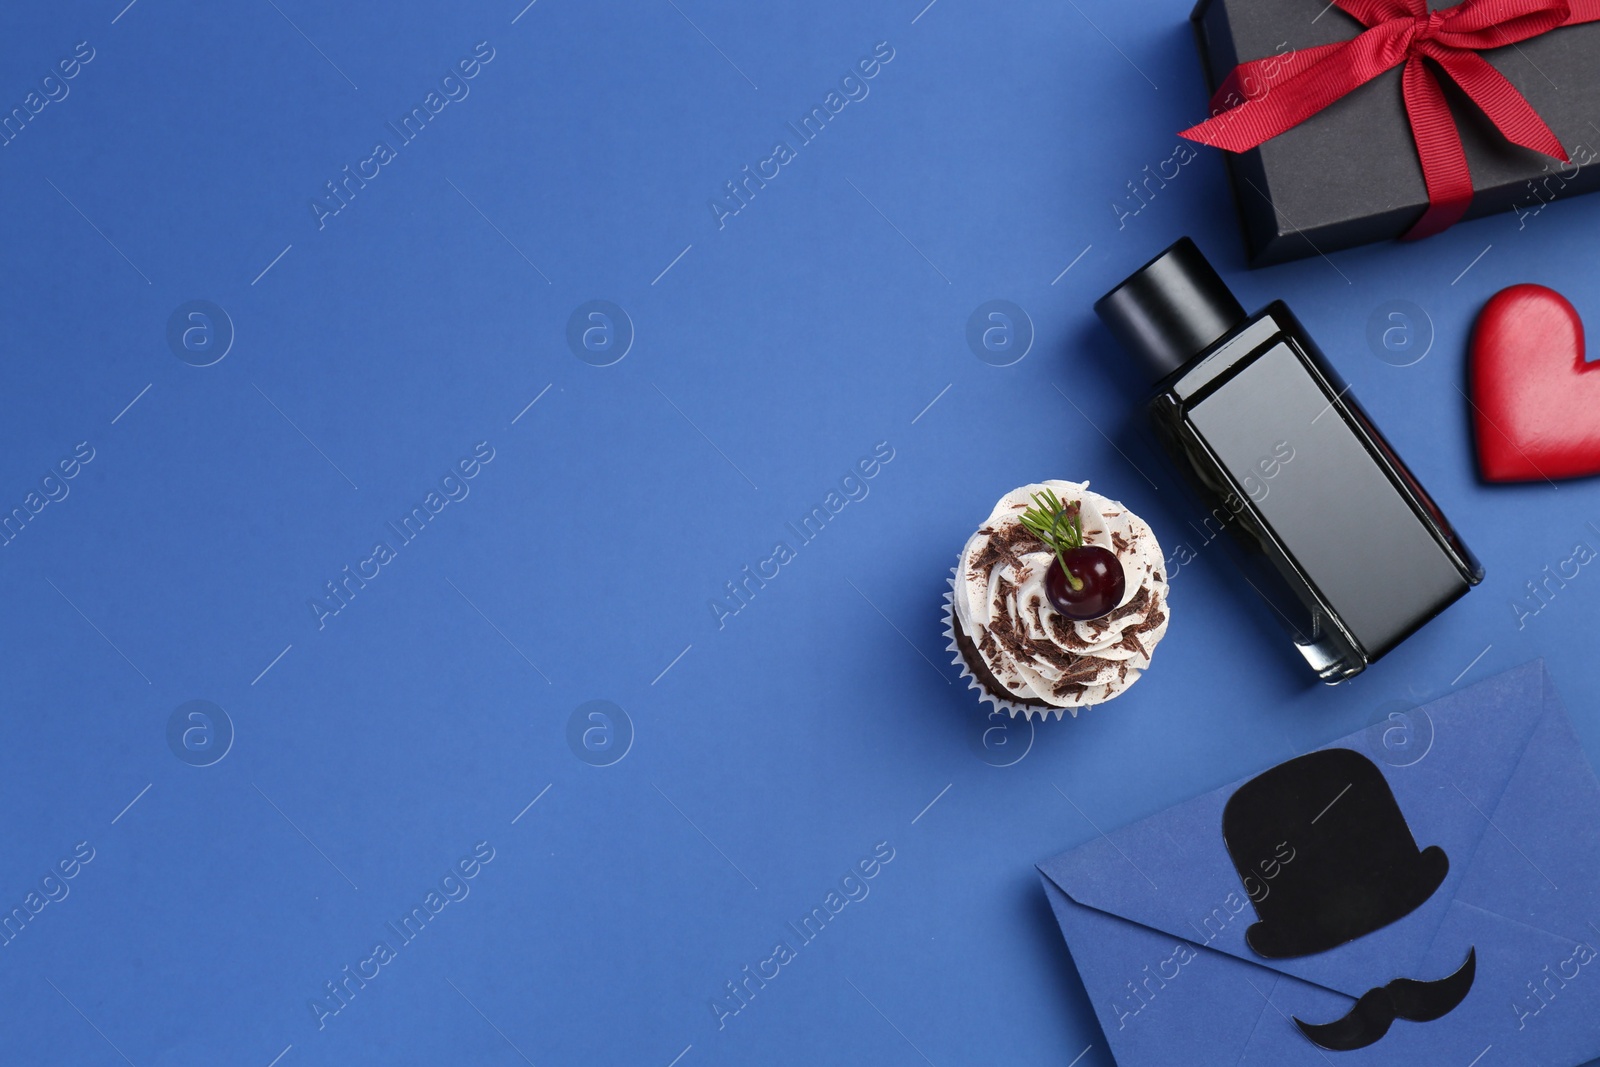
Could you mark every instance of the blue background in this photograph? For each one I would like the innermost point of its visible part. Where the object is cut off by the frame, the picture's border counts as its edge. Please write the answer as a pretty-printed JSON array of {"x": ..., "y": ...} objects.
[{"x": 766, "y": 757}]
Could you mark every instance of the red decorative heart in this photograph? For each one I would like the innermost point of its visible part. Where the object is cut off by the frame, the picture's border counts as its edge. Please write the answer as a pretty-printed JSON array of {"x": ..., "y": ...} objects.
[{"x": 1536, "y": 401}]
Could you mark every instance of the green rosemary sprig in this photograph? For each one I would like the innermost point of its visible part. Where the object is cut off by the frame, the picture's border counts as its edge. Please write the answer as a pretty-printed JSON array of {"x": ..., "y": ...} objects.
[{"x": 1059, "y": 526}]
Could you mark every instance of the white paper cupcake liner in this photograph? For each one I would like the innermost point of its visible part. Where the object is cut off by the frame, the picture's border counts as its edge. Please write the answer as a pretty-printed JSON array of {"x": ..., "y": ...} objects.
[{"x": 1000, "y": 703}]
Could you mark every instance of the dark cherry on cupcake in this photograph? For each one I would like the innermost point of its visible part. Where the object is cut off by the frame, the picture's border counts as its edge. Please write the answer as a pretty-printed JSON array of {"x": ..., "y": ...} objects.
[{"x": 1084, "y": 581}]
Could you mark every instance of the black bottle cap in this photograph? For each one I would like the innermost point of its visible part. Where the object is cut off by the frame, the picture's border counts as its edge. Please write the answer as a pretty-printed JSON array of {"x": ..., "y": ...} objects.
[{"x": 1171, "y": 309}]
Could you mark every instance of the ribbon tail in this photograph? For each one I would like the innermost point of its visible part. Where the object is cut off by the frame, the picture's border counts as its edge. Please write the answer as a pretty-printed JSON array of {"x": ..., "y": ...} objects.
[
  {"x": 1508, "y": 109},
  {"x": 1256, "y": 78},
  {"x": 1444, "y": 161},
  {"x": 1303, "y": 85}
]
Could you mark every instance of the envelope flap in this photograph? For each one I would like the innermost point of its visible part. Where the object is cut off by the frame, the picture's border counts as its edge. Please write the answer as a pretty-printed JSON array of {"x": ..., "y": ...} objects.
[
  {"x": 1540, "y": 861},
  {"x": 1173, "y": 872},
  {"x": 1160, "y": 1001}
]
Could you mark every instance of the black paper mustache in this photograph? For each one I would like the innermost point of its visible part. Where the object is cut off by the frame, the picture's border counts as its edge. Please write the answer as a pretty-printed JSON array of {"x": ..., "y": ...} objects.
[{"x": 1403, "y": 998}]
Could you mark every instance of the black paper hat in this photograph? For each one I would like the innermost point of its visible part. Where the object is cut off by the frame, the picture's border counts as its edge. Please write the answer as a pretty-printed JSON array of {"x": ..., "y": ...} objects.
[{"x": 1353, "y": 865}]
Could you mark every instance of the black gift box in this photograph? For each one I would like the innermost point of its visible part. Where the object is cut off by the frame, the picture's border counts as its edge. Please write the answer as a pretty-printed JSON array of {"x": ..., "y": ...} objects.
[{"x": 1350, "y": 174}]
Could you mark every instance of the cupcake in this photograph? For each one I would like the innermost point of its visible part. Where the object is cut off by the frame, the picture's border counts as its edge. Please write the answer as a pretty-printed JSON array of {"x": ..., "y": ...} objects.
[{"x": 1057, "y": 602}]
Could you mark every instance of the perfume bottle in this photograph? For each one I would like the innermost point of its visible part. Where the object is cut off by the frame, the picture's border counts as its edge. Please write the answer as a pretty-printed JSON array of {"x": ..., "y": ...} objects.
[{"x": 1334, "y": 532}]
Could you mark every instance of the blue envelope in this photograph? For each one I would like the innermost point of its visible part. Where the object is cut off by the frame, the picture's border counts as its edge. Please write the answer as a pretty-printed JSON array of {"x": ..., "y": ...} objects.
[{"x": 1155, "y": 914}]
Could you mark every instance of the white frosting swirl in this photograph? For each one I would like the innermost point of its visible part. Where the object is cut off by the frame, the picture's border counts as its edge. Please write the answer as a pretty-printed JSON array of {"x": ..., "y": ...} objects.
[{"x": 1037, "y": 654}]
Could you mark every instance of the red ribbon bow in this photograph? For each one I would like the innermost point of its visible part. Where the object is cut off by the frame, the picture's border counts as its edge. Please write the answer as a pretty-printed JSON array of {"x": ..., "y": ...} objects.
[{"x": 1285, "y": 90}]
